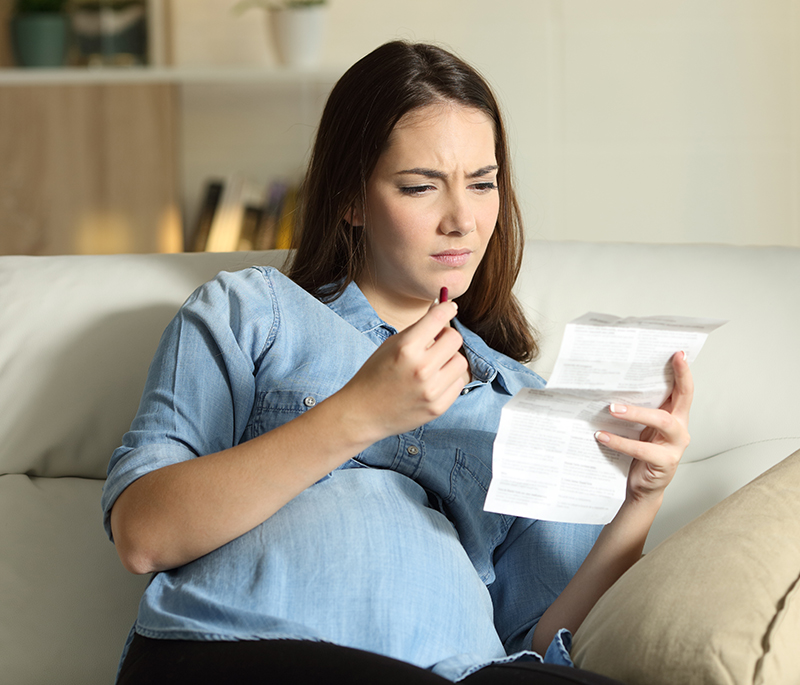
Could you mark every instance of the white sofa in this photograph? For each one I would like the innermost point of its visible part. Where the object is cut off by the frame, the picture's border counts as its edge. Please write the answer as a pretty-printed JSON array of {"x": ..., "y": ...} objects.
[{"x": 77, "y": 334}]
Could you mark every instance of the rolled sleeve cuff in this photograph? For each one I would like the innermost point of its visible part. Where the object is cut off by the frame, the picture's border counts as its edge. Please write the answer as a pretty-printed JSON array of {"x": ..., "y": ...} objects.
[{"x": 558, "y": 650}]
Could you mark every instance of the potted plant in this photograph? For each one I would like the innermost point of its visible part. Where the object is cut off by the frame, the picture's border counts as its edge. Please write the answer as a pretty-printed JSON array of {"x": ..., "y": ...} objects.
[
  {"x": 297, "y": 28},
  {"x": 39, "y": 32}
]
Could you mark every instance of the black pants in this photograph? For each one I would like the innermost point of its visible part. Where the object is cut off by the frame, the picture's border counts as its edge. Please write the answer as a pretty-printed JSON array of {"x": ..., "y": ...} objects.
[{"x": 300, "y": 662}]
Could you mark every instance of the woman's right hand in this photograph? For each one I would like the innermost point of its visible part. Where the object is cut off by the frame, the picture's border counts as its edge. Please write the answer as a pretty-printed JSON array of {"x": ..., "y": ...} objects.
[{"x": 411, "y": 378}]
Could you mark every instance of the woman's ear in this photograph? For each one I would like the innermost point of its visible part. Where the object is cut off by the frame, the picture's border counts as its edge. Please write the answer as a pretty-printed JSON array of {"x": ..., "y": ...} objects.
[{"x": 354, "y": 216}]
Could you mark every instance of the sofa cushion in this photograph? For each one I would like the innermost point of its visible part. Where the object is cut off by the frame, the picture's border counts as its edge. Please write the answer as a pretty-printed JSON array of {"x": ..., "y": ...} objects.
[
  {"x": 67, "y": 602},
  {"x": 718, "y": 602},
  {"x": 698, "y": 485}
]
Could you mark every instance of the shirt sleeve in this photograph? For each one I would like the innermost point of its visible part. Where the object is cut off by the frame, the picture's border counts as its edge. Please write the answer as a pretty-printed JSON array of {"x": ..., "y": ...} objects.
[
  {"x": 200, "y": 388},
  {"x": 533, "y": 566}
]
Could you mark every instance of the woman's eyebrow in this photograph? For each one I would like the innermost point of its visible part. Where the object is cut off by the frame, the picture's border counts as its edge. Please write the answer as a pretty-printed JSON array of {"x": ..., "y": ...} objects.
[
  {"x": 483, "y": 171},
  {"x": 435, "y": 173}
]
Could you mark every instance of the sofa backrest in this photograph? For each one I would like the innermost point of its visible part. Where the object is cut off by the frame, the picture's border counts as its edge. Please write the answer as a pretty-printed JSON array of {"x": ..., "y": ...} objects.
[
  {"x": 748, "y": 373},
  {"x": 76, "y": 338}
]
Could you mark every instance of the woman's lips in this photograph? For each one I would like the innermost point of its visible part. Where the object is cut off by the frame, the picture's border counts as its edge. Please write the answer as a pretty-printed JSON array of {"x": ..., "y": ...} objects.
[{"x": 452, "y": 257}]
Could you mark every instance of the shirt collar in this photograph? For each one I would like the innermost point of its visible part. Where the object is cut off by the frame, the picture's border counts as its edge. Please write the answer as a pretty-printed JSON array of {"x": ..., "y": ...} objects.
[
  {"x": 354, "y": 308},
  {"x": 484, "y": 362}
]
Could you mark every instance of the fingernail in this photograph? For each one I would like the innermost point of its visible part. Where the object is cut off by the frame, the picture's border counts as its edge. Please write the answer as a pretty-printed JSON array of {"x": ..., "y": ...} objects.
[
  {"x": 618, "y": 408},
  {"x": 601, "y": 437},
  {"x": 684, "y": 355}
]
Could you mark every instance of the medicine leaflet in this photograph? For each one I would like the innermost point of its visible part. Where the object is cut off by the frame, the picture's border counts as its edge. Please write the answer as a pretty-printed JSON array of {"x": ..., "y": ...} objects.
[{"x": 546, "y": 462}]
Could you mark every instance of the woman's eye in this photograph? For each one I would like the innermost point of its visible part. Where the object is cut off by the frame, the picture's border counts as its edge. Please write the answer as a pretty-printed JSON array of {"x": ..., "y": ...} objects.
[
  {"x": 415, "y": 190},
  {"x": 484, "y": 186}
]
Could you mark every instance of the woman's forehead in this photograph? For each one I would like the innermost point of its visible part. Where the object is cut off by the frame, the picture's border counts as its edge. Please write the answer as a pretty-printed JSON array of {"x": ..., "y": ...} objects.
[{"x": 439, "y": 125}]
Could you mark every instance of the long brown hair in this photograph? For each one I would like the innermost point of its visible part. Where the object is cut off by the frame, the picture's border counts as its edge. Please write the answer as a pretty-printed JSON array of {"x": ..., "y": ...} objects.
[{"x": 361, "y": 112}]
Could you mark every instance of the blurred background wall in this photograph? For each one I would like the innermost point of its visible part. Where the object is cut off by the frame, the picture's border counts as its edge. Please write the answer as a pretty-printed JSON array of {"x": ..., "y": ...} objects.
[{"x": 630, "y": 120}]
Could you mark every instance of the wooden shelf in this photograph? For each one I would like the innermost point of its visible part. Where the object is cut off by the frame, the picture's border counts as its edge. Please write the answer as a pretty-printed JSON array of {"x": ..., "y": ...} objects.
[
  {"x": 170, "y": 75},
  {"x": 106, "y": 160}
]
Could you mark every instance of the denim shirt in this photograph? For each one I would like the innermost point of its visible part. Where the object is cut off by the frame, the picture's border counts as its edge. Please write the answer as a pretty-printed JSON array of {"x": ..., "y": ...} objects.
[{"x": 392, "y": 552}]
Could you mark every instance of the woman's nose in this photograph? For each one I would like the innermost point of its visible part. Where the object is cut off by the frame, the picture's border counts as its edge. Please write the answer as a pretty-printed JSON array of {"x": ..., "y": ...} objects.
[{"x": 459, "y": 217}]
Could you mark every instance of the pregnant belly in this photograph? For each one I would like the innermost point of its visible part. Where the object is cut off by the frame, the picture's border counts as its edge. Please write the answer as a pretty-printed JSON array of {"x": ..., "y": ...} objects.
[{"x": 358, "y": 559}]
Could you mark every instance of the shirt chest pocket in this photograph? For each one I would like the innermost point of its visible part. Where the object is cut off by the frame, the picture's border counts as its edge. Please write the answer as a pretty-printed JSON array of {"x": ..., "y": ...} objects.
[
  {"x": 273, "y": 408},
  {"x": 291, "y": 383}
]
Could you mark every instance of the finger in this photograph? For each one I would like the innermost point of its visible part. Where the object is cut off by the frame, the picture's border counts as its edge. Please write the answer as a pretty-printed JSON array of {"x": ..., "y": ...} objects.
[
  {"x": 450, "y": 380},
  {"x": 662, "y": 422},
  {"x": 444, "y": 349},
  {"x": 658, "y": 456},
  {"x": 683, "y": 389},
  {"x": 430, "y": 325}
]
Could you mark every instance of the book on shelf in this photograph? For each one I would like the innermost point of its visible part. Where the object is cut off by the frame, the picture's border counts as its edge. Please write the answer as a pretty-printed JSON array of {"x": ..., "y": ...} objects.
[
  {"x": 211, "y": 196},
  {"x": 268, "y": 227},
  {"x": 239, "y": 214},
  {"x": 251, "y": 220},
  {"x": 226, "y": 227}
]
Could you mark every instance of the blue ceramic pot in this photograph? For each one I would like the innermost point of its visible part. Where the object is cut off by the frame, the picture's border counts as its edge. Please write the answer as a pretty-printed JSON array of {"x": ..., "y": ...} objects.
[{"x": 40, "y": 40}]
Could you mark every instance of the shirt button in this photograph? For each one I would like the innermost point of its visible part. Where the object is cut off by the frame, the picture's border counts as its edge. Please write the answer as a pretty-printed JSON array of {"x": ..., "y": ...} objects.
[
  {"x": 465, "y": 391},
  {"x": 412, "y": 450},
  {"x": 309, "y": 401}
]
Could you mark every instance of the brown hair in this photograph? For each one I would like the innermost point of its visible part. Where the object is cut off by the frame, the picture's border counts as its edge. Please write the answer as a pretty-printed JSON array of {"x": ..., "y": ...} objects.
[{"x": 362, "y": 110}]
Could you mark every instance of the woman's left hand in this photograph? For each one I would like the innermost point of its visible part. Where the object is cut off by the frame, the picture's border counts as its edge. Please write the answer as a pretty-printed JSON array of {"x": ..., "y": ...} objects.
[{"x": 659, "y": 449}]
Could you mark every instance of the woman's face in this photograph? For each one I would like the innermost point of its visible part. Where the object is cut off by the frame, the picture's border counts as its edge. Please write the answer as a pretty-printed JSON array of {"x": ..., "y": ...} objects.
[{"x": 432, "y": 205}]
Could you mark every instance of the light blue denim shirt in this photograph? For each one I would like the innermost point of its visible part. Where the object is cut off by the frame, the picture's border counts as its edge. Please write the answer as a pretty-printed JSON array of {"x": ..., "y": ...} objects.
[{"x": 392, "y": 552}]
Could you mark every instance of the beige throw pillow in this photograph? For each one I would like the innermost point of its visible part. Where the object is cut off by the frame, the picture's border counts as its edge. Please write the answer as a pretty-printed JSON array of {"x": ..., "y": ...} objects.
[{"x": 717, "y": 603}]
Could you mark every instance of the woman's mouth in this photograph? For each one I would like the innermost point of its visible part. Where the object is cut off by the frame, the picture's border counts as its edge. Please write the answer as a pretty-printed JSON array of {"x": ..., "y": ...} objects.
[{"x": 452, "y": 257}]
